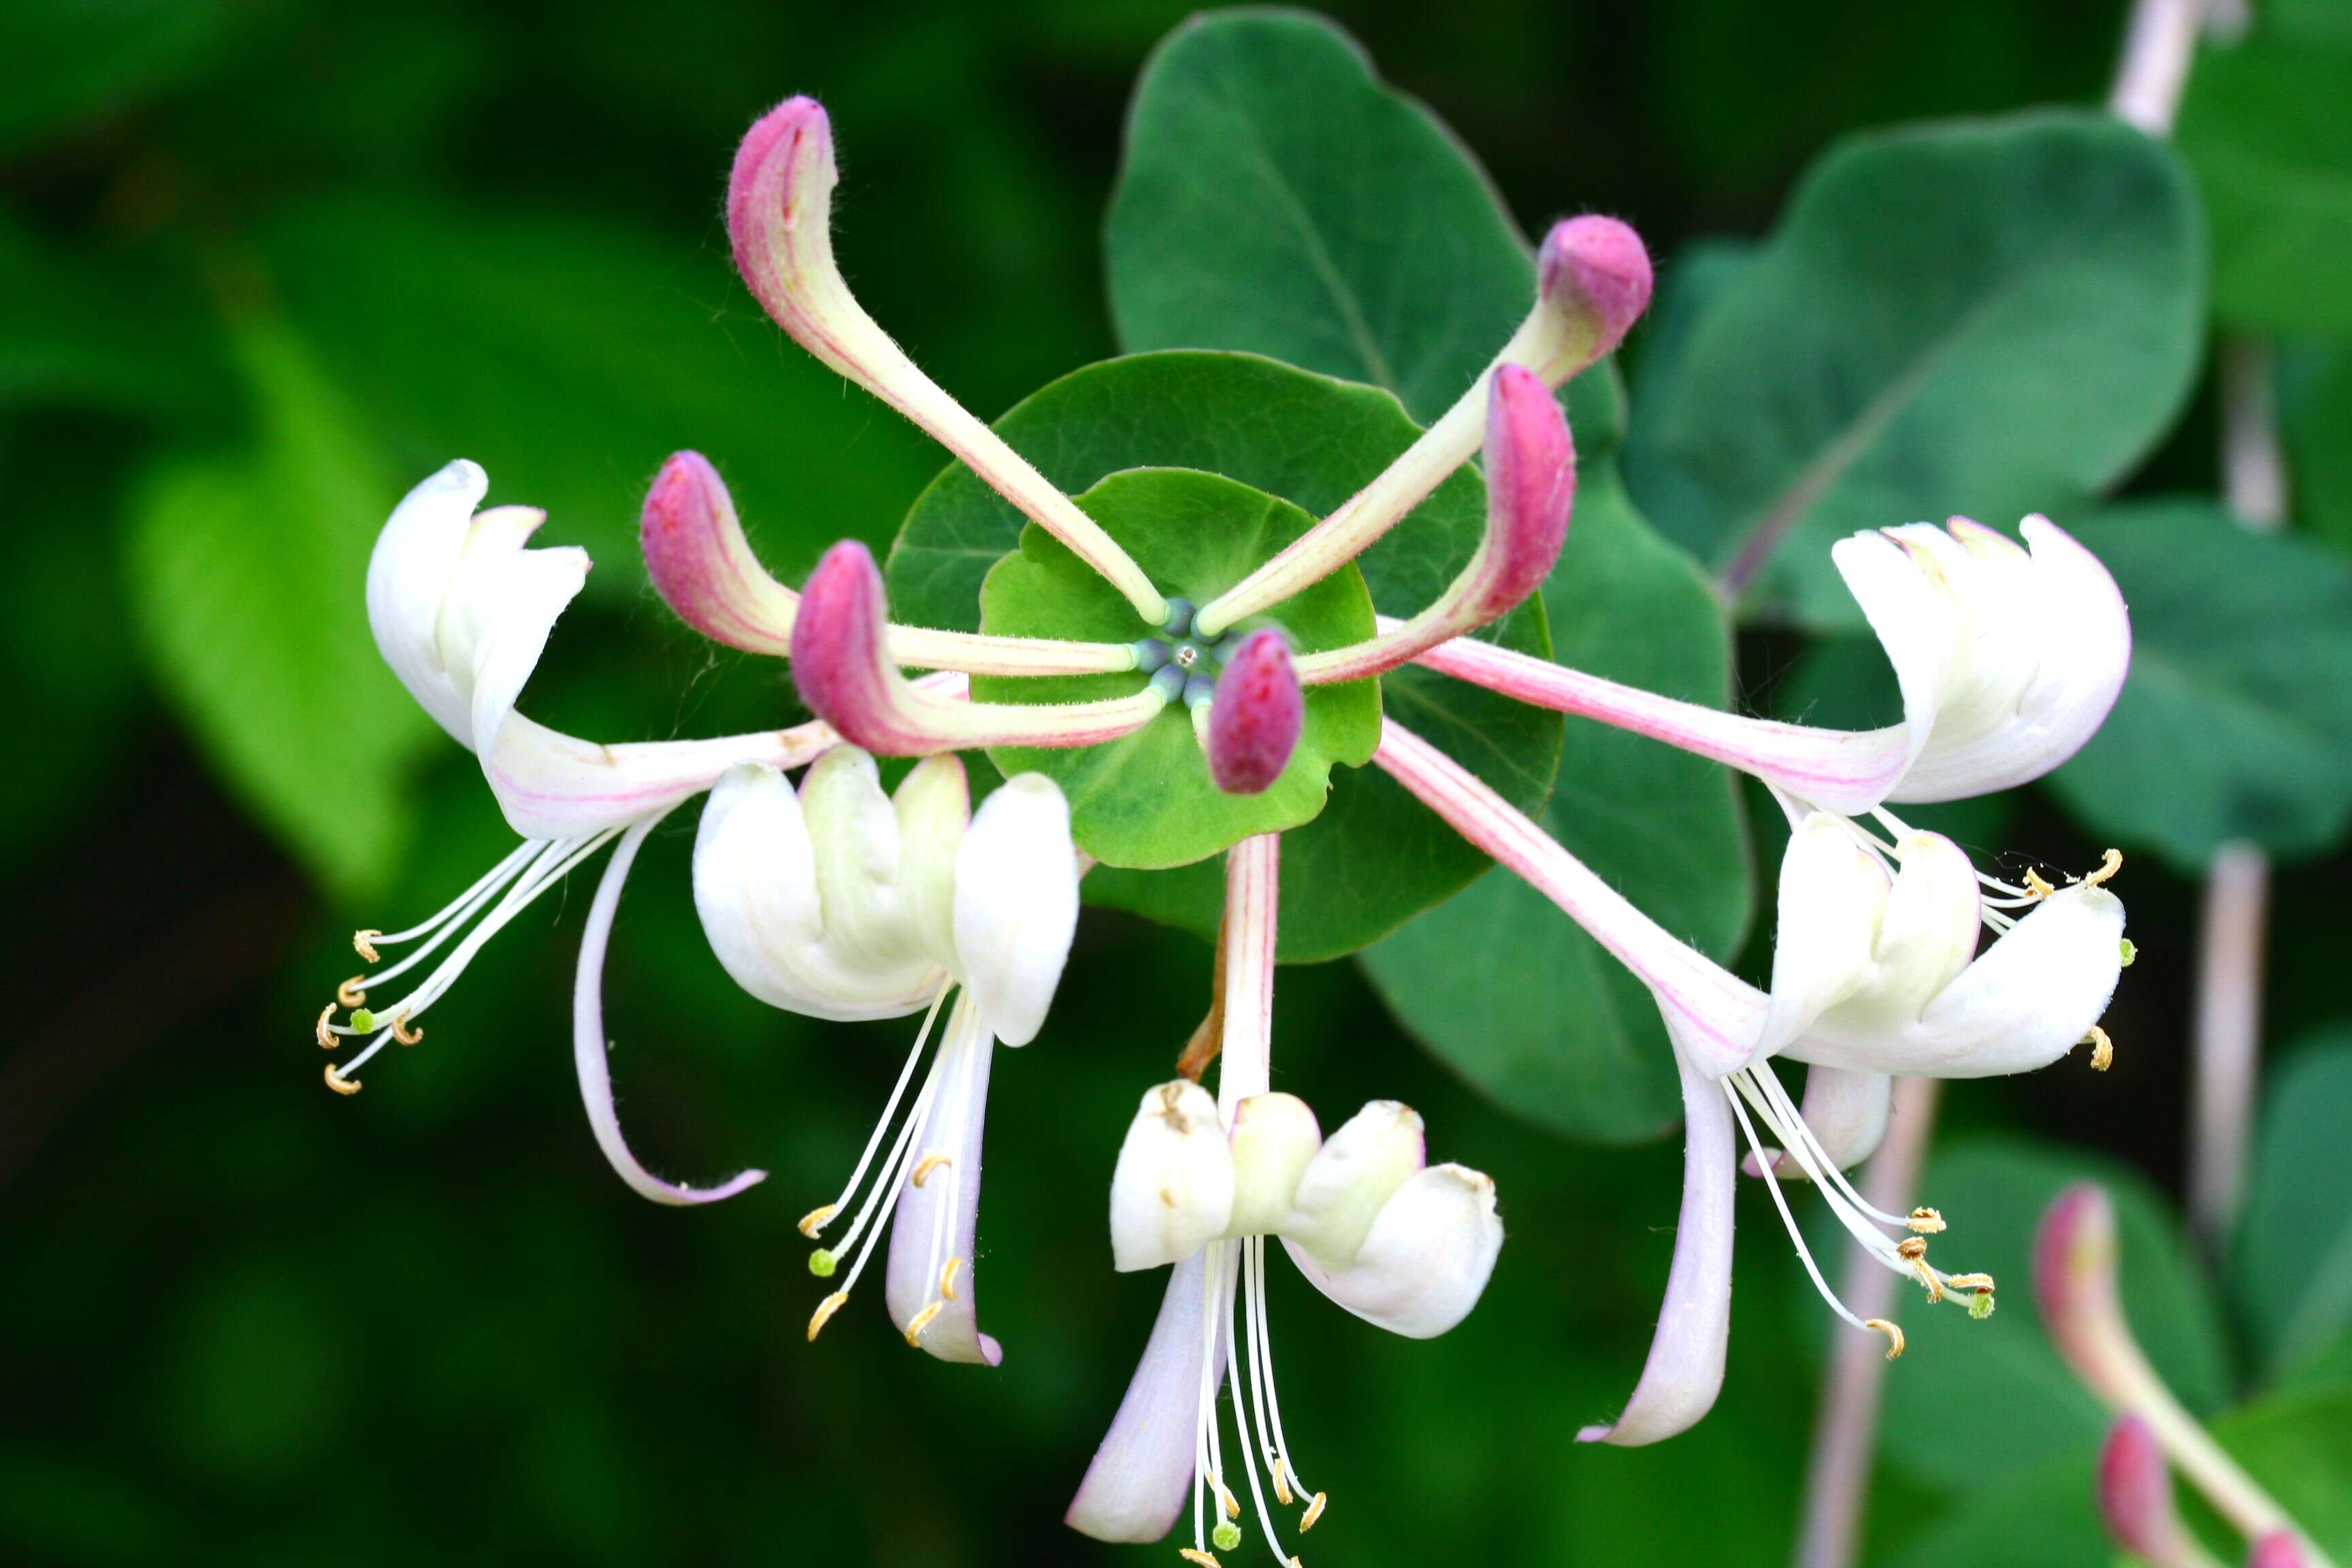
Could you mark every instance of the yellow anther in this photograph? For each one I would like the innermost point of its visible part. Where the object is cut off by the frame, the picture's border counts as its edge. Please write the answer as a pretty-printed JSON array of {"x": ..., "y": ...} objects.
[
  {"x": 349, "y": 993},
  {"x": 1913, "y": 1247},
  {"x": 363, "y": 943},
  {"x": 1281, "y": 1483},
  {"x": 1970, "y": 1282},
  {"x": 1315, "y": 1508},
  {"x": 401, "y": 1032},
  {"x": 326, "y": 1037},
  {"x": 824, "y": 1312},
  {"x": 2037, "y": 884},
  {"x": 341, "y": 1084},
  {"x": 1199, "y": 1558},
  {"x": 921, "y": 1321},
  {"x": 926, "y": 1164},
  {"x": 1893, "y": 1335},
  {"x": 1928, "y": 1281},
  {"x": 1926, "y": 1221},
  {"x": 2109, "y": 864},
  {"x": 2102, "y": 1049},
  {"x": 814, "y": 1220},
  {"x": 1232, "y": 1504},
  {"x": 948, "y": 1278}
]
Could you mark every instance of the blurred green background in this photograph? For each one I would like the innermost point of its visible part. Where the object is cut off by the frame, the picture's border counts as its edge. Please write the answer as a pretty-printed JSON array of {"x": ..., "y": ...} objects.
[{"x": 265, "y": 262}]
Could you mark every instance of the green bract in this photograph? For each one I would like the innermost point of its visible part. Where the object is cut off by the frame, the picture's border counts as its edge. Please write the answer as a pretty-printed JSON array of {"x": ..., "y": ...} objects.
[
  {"x": 1374, "y": 859},
  {"x": 1145, "y": 800}
]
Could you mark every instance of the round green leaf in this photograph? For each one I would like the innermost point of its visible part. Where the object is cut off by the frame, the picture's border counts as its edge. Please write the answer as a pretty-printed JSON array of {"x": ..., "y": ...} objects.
[
  {"x": 1497, "y": 983},
  {"x": 1145, "y": 800},
  {"x": 2236, "y": 721},
  {"x": 1989, "y": 317},
  {"x": 1374, "y": 858}
]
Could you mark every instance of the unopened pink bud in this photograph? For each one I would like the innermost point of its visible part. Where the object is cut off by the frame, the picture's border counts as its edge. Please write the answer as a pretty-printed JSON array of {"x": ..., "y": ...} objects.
[
  {"x": 2135, "y": 1493},
  {"x": 2074, "y": 1283},
  {"x": 2279, "y": 1549},
  {"x": 1255, "y": 715},
  {"x": 779, "y": 219},
  {"x": 1530, "y": 488},
  {"x": 1597, "y": 269},
  {"x": 839, "y": 661},
  {"x": 701, "y": 565}
]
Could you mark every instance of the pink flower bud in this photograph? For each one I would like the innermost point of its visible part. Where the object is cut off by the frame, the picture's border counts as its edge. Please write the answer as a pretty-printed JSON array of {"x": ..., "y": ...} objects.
[
  {"x": 1597, "y": 269},
  {"x": 839, "y": 659},
  {"x": 1256, "y": 716},
  {"x": 779, "y": 219},
  {"x": 2279, "y": 1549},
  {"x": 2136, "y": 1492},
  {"x": 1531, "y": 489},
  {"x": 703, "y": 567},
  {"x": 2074, "y": 1284}
]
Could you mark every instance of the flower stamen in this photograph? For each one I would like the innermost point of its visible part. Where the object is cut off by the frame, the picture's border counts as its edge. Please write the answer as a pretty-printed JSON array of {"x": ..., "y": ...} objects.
[
  {"x": 1893, "y": 1336},
  {"x": 824, "y": 1312},
  {"x": 2102, "y": 1049}
]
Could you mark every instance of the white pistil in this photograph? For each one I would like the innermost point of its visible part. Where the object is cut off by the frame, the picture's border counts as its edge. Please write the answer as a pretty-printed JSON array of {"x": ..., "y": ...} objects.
[{"x": 815, "y": 1223}]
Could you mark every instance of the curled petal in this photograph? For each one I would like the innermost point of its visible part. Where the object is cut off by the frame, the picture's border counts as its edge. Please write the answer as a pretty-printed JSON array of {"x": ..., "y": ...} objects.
[
  {"x": 1685, "y": 1372},
  {"x": 408, "y": 576},
  {"x": 2277, "y": 1549},
  {"x": 1831, "y": 892},
  {"x": 2030, "y": 998},
  {"x": 703, "y": 566},
  {"x": 1141, "y": 1474},
  {"x": 934, "y": 1234},
  {"x": 1173, "y": 1192},
  {"x": 1426, "y": 1259},
  {"x": 590, "y": 1049},
  {"x": 1016, "y": 904},
  {"x": 1530, "y": 492},
  {"x": 842, "y": 663},
  {"x": 1255, "y": 716},
  {"x": 1274, "y": 1139},
  {"x": 1351, "y": 1178},
  {"x": 534, "y": 586},
  {"x": 553, "y": 785},
  {"x": 1916, "y": 622},
  {"x": 2135, "y": 1493}
]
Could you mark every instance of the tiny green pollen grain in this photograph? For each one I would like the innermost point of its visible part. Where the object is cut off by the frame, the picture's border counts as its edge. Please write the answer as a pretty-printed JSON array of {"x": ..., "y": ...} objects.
[
  {"x": 821, "y": 1263},
  {"x": 363, "y": 1021},
  {"x": 2130, "y": 953},
  {"x": 1227, "y": 1535}
]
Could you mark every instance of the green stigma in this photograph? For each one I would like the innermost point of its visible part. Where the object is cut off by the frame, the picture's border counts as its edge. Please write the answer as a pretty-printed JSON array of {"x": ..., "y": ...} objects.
[
  {"x": 363, "y": 1021},
  {"x": 1227, "y": 1535},
  {"x": 1980, "y": 1305},
  {"x": 821, "y": 1263},
  {"x": 2130, "y": 953}
]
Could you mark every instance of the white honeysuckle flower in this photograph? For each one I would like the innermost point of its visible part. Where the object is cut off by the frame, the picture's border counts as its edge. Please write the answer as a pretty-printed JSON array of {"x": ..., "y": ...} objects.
[
  {"x": 2008, "y": 658},
  {"x": 1173, "y": 1193},
  {"x": 845, "y": 904},
  {"x": 1875, "y": 972}
]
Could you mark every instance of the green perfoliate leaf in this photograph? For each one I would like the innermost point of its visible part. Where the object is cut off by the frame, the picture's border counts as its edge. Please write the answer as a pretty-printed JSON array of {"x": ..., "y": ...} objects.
[
  {"x": 2236, "y": 721},
  {"x": 1498, "y": 982},
  {"x": 1374, "y": 858},
  {"x": 1145, "y": 800},
  {"x": 244, "y": 576},
  {"x": 1988, "y": 317},
  {"x": 1277, "y": 196},
  {"x": 2292, "y": 1264},
  {"x": 2001, "y": 1372}
]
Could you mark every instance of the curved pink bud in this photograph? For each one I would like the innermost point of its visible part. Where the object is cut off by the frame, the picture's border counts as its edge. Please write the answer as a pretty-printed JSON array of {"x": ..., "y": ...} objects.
[
  {"x": 1597, "y": 270},
  {"x": 843, "y": 664},
  {"x": 2074, "y": 1283},
  {"x": 2136, "y": 1492},
  {"x": 2278, "y": 1548},
  {"x": 1255, "y": 716},
  {"x": 780, "y": 220},
  {"x": 1530, "y": 491},
  {"x": 702, "y": 565}
]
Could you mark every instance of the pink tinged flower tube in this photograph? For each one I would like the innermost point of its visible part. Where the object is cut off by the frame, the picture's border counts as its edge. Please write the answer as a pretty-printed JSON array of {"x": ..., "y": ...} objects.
[
  {"x": 780, "y": 218},
  {"x": 2075, "y": 1284},
  {"x": 842, "y": 664},
  {"x": 1593, "y": 280},
  {"x": 2008, "y": 658},
  {"x": 1530, "y": 492},
  {"x": 1254, "y": 715},
  {"x": 2279, "y": 1549},
  {"x": 704, "y": 568},
  {"x": 2135, "y": 1490}
]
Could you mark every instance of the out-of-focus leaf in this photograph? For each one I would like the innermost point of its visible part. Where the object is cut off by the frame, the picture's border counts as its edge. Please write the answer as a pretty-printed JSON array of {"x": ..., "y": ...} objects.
[
  {"x": 245, "y": 575},
  {"x": 1374, "y": 858},
  {"x": 1501, "y": 985},
  {"x": 1989, "y": 317},
  {"x": 2045, "y": 1517},
  {"x": 2299, "y": 1447},
  {"x": 255, "y": 1384},
  {"x": 569, "y": 359},
  {"x": 2316, "y": 424},
  {"x": 1690, "y": 282},
  {"x": 2236, "y": 721},
  {"x": 2002, "y": 1371},
  {"x": 2267, "y": 126},
  {"x": 101, "y": 333},
  {"x": 2292, "y": 1269},
  {"x": 65, "y": 61},
  {"x": 1278, "y": 197}
]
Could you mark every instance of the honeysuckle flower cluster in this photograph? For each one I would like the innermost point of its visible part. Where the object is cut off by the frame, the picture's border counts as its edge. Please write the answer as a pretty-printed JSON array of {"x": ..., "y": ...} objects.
[{"x": 833, "y": 899}]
